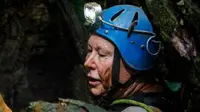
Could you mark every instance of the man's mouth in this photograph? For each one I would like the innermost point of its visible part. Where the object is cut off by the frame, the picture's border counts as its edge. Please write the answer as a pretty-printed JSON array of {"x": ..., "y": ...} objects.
[{"x": 93, "y": 82}]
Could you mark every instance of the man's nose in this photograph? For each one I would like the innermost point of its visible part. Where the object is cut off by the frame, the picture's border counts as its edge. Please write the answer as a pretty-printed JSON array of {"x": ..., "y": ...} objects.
[{"x": 90, "y": 62}]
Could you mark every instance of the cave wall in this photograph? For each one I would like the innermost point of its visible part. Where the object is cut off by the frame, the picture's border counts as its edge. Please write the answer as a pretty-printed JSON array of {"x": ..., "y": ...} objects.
[
  {"x": 42, "y": 47},
  {"x": 40, "y": 57}
]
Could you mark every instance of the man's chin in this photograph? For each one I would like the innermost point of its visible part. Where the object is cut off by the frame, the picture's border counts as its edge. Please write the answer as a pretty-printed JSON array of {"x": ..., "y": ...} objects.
[{"x": 96, "y": 92}]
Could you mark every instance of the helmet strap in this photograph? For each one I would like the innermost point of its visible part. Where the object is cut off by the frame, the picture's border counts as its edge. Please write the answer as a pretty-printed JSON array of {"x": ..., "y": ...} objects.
[{"x": 106, "y": 100}]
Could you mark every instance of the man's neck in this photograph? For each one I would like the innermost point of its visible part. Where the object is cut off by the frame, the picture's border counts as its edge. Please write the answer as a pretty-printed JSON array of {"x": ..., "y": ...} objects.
[{"x": 138, "y": 87}]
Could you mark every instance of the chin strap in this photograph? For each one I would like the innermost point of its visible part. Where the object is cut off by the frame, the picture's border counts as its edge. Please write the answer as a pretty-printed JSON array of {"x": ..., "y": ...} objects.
[{"x": 107, "y": 100}]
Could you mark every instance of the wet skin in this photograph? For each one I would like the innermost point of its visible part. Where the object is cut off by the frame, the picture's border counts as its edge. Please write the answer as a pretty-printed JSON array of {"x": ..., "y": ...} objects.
[{"x": 99, "y": 61}]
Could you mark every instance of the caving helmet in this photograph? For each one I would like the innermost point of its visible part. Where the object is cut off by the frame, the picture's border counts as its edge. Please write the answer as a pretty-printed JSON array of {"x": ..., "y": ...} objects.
[{"x": 129, "y": 29}]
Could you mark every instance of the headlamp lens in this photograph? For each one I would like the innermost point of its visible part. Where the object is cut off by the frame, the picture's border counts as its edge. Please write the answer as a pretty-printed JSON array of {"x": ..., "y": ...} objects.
[
  {"x": 90, "y": 15},
  {"x": 91, "y": 11}
]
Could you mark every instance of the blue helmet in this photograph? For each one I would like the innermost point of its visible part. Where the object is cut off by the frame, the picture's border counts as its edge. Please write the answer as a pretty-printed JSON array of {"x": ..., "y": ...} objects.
[{"x": 130, "y": 30}]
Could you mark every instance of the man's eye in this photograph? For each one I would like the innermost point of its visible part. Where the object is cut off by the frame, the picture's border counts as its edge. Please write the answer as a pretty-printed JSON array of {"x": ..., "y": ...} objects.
[
  {"x": 102, "y": 55},
  {"x": 89, "y": 50}
]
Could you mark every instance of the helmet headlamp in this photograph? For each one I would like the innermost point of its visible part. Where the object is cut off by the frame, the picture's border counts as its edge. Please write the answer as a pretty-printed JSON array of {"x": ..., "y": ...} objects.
[{"x": 91, "y": 11}]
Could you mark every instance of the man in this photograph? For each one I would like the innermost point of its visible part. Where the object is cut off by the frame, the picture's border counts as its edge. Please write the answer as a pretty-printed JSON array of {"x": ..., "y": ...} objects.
[{"x": 121, "y": 57}]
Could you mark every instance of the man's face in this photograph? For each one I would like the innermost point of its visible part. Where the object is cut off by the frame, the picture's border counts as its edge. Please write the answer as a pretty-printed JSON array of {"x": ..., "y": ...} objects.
[{"x": 99, "y": 62}]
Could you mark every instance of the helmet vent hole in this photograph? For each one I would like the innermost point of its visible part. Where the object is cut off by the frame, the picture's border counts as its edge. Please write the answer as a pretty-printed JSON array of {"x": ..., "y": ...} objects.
[
  {"x": 133, "y": 24},
  {"x": 135, "y": 19},
  {"x": 117, "y": 15}
]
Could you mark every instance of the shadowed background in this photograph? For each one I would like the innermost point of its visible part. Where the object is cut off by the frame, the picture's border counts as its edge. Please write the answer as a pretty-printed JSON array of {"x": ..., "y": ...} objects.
[{"x": 42, "y": 47}]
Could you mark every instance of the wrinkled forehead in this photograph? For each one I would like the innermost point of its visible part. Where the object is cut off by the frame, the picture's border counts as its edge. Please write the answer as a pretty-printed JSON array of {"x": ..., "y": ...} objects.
[{"x": 99, "y": 41}]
